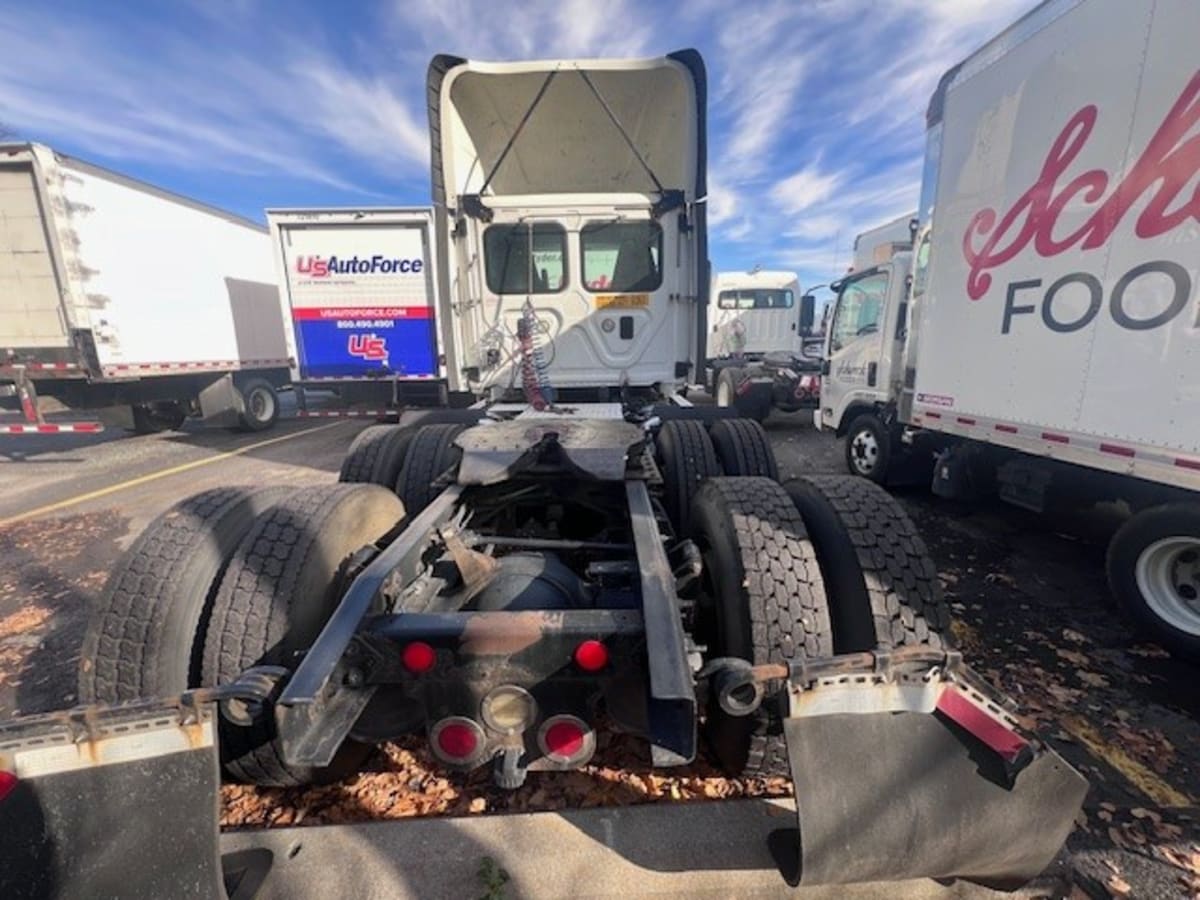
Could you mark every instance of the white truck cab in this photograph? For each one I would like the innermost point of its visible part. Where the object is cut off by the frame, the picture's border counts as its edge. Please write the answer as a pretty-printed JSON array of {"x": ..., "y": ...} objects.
[
  {"x": 754, "y": 313},
  {"x": 567, "y": 202}
]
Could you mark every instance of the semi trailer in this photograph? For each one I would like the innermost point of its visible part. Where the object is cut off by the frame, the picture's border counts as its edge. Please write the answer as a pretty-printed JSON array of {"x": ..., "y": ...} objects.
[
  {"x": 581, "y": 546},
  {"x": 137, "y": 304},
  {"x": 359, "y": 286},
  {"x": 1039, "y": 343}
]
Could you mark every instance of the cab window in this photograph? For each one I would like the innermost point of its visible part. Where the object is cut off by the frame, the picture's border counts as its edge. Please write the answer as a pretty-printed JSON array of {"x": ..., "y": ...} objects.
[
  {"x": 859, "y": 310},
  {"x": 621, "y": 257},
  {"x": 763, "y": 298},
  {"x": 525, "y": 259}
]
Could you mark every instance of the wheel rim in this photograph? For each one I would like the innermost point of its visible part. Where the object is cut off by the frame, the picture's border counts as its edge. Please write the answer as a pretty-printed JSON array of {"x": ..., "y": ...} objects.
[
  {"x": 724, "y": 394},
  {"x": 864, "y": 452},
  {"x": 1168, "y": 577},
  {"x": 261, "y": 404}
]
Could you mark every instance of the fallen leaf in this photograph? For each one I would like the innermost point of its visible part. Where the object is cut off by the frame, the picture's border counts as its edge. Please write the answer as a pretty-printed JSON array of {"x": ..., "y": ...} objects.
[
  {"x": 1093, "y": 679},
  {"x": 1074, "y": 636},
  {"x": 1119, "y": 886}
]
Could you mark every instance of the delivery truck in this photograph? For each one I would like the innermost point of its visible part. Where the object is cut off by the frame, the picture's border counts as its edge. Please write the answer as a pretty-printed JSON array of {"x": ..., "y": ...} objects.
[
  {"x": 359, "y": 288},
  {"x": 879, "y": 244},
  {"x": 1047, "y": 348},
  {"x": 760, "y": 355},
  {"x": 120, "y": 297}
]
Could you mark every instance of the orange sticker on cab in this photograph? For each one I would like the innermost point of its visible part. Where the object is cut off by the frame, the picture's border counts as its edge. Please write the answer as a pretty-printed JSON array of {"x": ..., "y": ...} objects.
[{"x": 622, "y": 301}]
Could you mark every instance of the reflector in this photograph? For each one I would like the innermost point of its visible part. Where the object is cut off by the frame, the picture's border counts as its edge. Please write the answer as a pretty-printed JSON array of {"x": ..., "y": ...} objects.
[
  {"x": 418, "y": 657},
  {"x": 591, "y": 656}
]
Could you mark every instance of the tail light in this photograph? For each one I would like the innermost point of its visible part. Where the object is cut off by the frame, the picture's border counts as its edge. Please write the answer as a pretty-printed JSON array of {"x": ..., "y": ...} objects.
[
  {"x": 458, "y": 741},
  {"x": 591, "y": 656},
  {"x": 567, "y": 742},
  {"x": 418, "y": 657},
  {"x": 8, "y": 782}
]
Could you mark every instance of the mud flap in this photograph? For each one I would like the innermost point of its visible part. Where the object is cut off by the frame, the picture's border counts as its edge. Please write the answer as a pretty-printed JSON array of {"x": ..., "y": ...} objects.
[
  {"x": 923, "y": 779},
  {"x": 110, "y": 803}
]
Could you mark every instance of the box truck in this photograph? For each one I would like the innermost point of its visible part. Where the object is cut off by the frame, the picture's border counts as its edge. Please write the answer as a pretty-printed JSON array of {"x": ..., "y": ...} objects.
[
  {"x": 1047, "y": 348},
  {"x": 877, "y": 245},
  {"x": 500, "y": 580},
  {"x": 760, "y": 354},
  {"x": 359, "y": 288},
  {"x": 119, "y": 296}
]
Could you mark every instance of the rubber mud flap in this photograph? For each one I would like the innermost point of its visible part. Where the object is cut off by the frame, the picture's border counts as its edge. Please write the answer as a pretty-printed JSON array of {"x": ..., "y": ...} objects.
[
  {"x": 131, "y": 817},
  {"x": 886, "y": 796}
]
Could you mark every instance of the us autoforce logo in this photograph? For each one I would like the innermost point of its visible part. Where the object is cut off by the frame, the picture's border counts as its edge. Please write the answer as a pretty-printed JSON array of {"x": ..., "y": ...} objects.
[{"x": 323, "y": 267}]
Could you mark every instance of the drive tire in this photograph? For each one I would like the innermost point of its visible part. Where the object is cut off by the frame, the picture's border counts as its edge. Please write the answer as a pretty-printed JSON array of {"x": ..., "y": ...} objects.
[
  {"x": 686, "y": 458},
  {"x": 882, "y": 585},
  {"x": 154, "y": 418},
  {"x": 742, "y": 448},
  {"x": 767, "y": 601},
  {"x": 278, "y": 591},
  {"x": 431, "y": 453},
  {"x": 145, "y": 637},
  {"x": 1153, "y": 565},
  {"x": 754, "y": 404},
  {"x": 358, "y": 464},
  {"x": 260, "y": 404},
  {"x": 868, "y": 448}
]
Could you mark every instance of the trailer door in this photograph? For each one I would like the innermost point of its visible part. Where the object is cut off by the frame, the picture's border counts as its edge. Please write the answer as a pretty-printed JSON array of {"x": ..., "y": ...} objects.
[{"x": 30, "y": 311}]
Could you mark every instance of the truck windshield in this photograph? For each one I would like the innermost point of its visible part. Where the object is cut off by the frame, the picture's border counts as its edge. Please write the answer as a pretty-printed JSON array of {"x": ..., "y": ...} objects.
[
  {"x": 621, "y": 256},
  {"x": 859, "y": 309},
  {"x": 509, "y": 267},
  {"x": 762, "y": 298}
]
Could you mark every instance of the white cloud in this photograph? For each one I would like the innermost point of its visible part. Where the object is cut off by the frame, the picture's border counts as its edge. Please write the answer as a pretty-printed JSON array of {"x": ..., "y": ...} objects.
[{"x": 806, "y": 188}]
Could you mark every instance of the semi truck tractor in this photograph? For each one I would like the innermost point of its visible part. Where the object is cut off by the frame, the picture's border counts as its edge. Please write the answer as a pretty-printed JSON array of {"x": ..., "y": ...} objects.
[
  {"x": 760, "y": 355},
  {"x": 126, "y": 300},
  {"x": 360, "y": 289},
  {"x": 1040, "y": 342},
  {"x": 581, "y": 547}
]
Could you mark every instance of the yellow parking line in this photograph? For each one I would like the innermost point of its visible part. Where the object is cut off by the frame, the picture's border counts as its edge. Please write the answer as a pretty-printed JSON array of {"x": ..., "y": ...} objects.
[
  {"x": 154, "y": 476},
  {"x": 1141, "y": 777}
]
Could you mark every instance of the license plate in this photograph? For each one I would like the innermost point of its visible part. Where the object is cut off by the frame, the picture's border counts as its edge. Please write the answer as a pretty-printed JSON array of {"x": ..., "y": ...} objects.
[{"x": 623, "y": 301}]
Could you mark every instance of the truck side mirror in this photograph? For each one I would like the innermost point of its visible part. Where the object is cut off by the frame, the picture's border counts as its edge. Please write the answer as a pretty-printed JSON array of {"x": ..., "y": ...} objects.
[{"x": 808, "y": 306}]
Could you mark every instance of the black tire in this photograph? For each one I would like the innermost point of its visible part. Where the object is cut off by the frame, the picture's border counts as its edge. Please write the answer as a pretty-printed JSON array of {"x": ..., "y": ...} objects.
[
  {"x": 768, "y": 602},
  {"x": 153, "y": 418},
  {"x": 376, "y": 455},
  {"x": 431, "y": 453},
  {"x": 743, "y": 448},
  {"x": 278, "y": 591},
  {"x": 686, "y": 457},
  {"x": 1163, "y": 600},
  {"x": 753, "y": 404},
  {"x": 883, "y": 587},
  {"x": 260, "y": 404},
  {"x": 145, "y": 637},
  {"x": 868, "y": 448}
]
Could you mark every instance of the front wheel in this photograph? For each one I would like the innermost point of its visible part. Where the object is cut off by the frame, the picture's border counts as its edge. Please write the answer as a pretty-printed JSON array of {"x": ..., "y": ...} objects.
[
  {"x": 868, "y": 448},
  {"x": 1154, "y": 571}
]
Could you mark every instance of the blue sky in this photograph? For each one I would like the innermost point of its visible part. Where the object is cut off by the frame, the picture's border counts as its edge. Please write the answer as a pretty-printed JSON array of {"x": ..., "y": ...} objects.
[{"x": 815, "y": 119}]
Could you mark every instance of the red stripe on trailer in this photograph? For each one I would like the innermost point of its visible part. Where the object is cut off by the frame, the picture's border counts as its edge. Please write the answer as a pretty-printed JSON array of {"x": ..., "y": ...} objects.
[
  {"x": 1007, "y": 429},
  {"x": 1188, "y": 463},
  {"x": 310, "y": 313},
  {"x": 1118, "y": 450},
  {"x": 933, "y": 415},
  {"x": 965, "y": 420},
  {"x": 78, "y": 428},
  {"x": 1057, "y": 438},
  {"x": 197, "y": 365},
  {"x": 958, "y": 707},
  {"x": 344, "y": 413}
]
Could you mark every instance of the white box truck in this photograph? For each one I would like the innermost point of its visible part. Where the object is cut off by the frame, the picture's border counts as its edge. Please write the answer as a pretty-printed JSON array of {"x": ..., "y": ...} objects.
[
  {"x": 120, "y": 296},
  {"x": 877, "y": 245},
  {"x": 1048, "y": 346},
  {"x": 756, "y": 358},
  {"x": 360, "y": 290}
]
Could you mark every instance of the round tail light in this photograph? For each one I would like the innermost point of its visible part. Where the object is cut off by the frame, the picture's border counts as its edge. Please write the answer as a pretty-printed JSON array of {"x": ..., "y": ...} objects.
[
  {"x": 567, "y": 742},
  {"x": 418, "y": 657},
  {"x": 591, "y": 656},
  {"x": 457, "y": 741}
]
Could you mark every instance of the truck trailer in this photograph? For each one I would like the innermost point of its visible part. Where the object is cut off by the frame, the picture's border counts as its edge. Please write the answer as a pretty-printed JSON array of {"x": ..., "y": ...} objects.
[
  {"x": 1045, "y": 351},
  {"x": 360, "y": 289},
  {"x": 582, "y": 546},
  {"x": 119, "y": 297}
]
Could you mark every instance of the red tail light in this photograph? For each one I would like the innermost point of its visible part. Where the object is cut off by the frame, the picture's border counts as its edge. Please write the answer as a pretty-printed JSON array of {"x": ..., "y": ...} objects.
[
  {"x": 457, "y": 741},
  {"x": 8, "y": 782},
  {"x": 418, "y": 657},
  {"x": 591, "y": 656},
  {"x": 566, "y": 741}
]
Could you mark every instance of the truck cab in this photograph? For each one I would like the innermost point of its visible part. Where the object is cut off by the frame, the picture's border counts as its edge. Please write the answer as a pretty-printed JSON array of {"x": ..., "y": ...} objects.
[
  {"x": 864, "y": 346},
  {"x": 575, "y": 247},
  {"x": 754, "y": 313}
]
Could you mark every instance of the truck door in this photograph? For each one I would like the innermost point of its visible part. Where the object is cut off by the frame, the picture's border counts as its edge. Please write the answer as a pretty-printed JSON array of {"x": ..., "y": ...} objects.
[{"x": 854, "y": 346}]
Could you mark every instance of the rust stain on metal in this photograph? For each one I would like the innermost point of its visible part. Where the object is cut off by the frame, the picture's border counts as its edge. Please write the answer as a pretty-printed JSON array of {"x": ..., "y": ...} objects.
[{"x": 504, "y": 633}]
